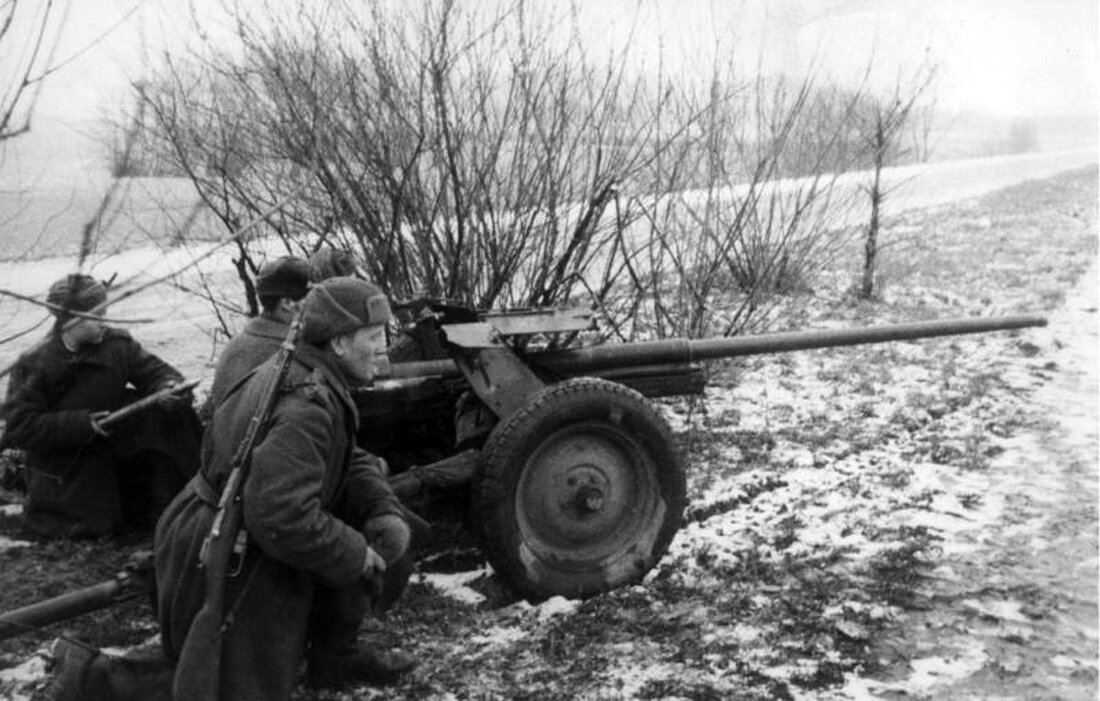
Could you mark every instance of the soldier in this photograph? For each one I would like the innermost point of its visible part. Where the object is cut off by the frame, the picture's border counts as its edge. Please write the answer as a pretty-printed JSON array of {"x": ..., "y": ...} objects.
[
  {"x": 83, "y": 481},
  {"x": 321, "y": 520},
  {"x": 281, "y": 285},
  {"x": 329, "y": 262}
]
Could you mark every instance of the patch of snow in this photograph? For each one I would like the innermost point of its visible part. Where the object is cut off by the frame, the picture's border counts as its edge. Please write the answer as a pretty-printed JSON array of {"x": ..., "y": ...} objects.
[
  {"x": 1063, "y": 662},
  {"x": 519, "y": 609},
  {"x": 7, "y": 544},
  {"x": 795, "y": 456},
  {"x": 557, "y": 606},
  {"x": 855, "y": 687},
  {"x": 746, "y": 634},
  {"x": 153, "y": 641},
  {"x": 626, "y": 678},
  {"x": 853, "y": 630},
  {"x": 802, "y": 668},
  {"x": 1001, "y": 610},
  {"x": 930, "y": 672},
  {"x": 498, "y": 636},
  {"x": 23, "y": 675},
  {"x": 456, "y": 585}
]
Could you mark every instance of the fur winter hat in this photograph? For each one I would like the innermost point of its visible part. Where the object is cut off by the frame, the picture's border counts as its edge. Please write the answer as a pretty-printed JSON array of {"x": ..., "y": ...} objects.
[
  {"x": 76, "y": 292},
  {"x": 283, "y": 277},
  {"x": 342, "y": 305},
  {"x": 329, "y": 262}
]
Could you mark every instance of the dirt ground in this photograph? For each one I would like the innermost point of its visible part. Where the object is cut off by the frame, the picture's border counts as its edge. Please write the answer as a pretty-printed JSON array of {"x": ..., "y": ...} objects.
[
  {"x": 1010, "y": 608},
  {"x": 909, "y": 520}
]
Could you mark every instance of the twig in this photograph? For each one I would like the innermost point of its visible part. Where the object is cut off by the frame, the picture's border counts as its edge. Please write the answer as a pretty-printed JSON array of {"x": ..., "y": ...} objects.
[
  {"x": 80, "y": 315},
  {"x": 156, "y": 281}
]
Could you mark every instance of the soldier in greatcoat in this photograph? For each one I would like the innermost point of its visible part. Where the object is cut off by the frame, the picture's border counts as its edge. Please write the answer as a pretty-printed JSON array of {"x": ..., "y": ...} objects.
[
  {"x": 280, "y": 285},
  {"x": 81, "y": 480},
  {"x": 321, "y": 520}
]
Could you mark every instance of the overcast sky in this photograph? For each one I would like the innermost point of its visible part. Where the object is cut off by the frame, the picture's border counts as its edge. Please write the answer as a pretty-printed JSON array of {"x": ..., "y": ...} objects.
[{"x": 1005, "y": 57}]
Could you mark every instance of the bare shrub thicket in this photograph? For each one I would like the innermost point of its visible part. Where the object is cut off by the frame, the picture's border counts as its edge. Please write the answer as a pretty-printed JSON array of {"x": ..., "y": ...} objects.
[
  {"x": 883, "y": 123},
  {"x": 492, "y": 160},
  {"x": 747, "y": 232},
  {"x": 29, "y": 56},
  {"x": 29, "y": 31}
]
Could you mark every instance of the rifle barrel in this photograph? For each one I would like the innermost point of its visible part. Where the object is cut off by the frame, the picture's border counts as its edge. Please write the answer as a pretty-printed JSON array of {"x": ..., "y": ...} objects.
[{"x": 145, "y": 403}]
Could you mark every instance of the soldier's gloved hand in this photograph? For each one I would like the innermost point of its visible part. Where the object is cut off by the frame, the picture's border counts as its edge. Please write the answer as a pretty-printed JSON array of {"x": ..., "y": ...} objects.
[
  {"x": 374, "y": 567},
  {"x": 389, "y": 535},
  {"x": 380, "y": 465},
  {"x": 96, "y": 417},
  {"x": 175, "y": 400}
]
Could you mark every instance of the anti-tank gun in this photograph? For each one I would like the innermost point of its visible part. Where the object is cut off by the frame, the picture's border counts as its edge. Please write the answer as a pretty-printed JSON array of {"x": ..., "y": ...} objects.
[{"x": 578, "y": 486}]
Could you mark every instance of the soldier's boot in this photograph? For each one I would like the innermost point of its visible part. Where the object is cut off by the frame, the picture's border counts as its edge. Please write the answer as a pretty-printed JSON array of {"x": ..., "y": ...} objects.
[
  {"x": 83, "y": 673},
  {"x": 335, "y": 656},
  {"x": 69, "y": 664},
  {"x": 329, "y": 670}
]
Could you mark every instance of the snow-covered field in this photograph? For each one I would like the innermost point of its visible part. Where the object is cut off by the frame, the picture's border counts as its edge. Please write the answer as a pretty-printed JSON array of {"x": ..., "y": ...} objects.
[
  {"x": 910, "y": 520},
  {"x": 181, "y": 325}
]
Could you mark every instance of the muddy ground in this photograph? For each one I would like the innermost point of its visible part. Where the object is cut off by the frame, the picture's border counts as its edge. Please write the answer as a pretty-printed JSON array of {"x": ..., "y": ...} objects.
[
  {"x": 911, "y": 520},
  {"x": 1008, "y": 608}
]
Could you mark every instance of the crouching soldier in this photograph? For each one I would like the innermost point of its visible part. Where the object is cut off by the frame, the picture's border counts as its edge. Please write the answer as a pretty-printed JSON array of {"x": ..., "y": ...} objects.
[
  {"x": 320, "y": 522},
  {"x": 83, "y": 480}
]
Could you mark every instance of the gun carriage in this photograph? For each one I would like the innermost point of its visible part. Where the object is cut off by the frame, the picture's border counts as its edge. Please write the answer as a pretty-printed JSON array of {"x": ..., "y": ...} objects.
[
  {"x": 577, "y": 486},
  {"x": 566, "y": 471}
]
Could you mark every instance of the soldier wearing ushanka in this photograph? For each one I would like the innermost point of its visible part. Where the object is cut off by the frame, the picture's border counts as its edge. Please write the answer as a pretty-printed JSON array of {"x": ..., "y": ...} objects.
[
  {"x": 321, "y": 520},
  {"x": 84, "y": 481},
  {"x": 281, "y": 285}
]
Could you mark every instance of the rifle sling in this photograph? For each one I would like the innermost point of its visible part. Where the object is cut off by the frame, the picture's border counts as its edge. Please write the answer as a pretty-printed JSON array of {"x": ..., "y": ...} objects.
[{"x": 203, "y": 490}]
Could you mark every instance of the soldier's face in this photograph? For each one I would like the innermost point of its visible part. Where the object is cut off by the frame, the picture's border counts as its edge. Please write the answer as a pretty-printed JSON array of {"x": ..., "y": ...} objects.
[
  {"x": 86, "y": 332},
  {"x": 362, "y": 355}
]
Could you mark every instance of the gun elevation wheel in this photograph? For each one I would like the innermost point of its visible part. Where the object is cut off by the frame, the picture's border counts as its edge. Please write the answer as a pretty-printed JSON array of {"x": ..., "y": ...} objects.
[{"x": 581, "y": 491}]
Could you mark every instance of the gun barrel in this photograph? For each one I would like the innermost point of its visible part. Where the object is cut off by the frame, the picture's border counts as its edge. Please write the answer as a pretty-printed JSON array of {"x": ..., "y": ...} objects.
[
  {"x": 681, "y": 350},
  {"x": 64, "y": 607}
]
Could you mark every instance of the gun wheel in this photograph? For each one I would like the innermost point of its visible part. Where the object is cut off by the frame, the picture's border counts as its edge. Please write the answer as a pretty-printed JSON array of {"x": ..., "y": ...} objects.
[{"x": 581, "y": 491}]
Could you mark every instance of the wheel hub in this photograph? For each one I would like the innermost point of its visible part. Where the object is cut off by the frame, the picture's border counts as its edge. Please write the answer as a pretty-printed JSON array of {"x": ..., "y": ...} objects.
[
  {"x": 587, "y": 498},
  {"x": 583, "y": 493}
]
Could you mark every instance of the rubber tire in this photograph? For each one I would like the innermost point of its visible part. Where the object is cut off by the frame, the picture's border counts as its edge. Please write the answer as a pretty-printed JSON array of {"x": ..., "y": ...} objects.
[{"x": 539, "y": 528}]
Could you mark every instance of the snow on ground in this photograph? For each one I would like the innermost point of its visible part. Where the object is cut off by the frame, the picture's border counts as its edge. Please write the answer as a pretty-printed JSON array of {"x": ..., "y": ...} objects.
[
  {"x": 31, "y": 670},
  {"x": 1030, "y": 534},
  {"x": 747, "y": 595},
  {"x": 8, "y": 544},
  {"x": 454, "y": 585}
]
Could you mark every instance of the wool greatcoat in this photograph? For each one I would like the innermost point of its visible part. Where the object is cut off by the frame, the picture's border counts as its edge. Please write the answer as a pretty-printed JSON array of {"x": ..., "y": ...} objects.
[
  {"x": 256, "y": 342},
  {"x": 77, "y": 481},
  {"x": 307, "y": 496}
]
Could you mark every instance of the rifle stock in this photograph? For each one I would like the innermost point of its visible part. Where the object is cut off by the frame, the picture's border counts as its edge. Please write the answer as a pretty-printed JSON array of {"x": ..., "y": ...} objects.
[{"x": 198, "y": 674}]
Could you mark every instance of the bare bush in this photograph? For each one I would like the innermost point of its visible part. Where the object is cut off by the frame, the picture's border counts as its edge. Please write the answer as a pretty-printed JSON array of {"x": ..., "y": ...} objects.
[
  {"x": 727, "y": 248},
  {"x": 489, "y": 159},
  {"x": 882, "y": 121},
  {"x": 28, "y": 40}
]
